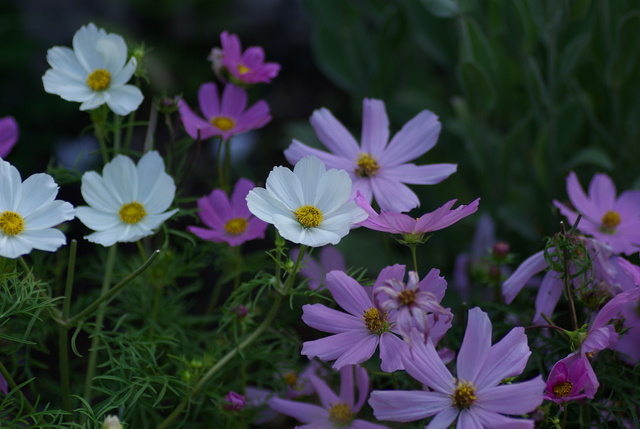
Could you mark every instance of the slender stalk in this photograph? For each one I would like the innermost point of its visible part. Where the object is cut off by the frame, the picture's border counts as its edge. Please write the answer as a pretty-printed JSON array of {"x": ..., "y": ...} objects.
[
  {"x": 7, "y": 376},
  {"x": 63, "y": 337},
  {"x": 564, "y": 416},
  {"x": 414, "y": 257},
  {"x": 129, "y": 134},
  {"x": 95, "y": 340},
  {"x": 237, "y": 256},
  {"x": 84, "y": 313},
  {"x": 117, "y": 134},
  {"x": 567, "y": 283},
  {"x": 222, "y": 183},
  {"x": 99, "y": 119},
  {"x": 222, "y": 362}
]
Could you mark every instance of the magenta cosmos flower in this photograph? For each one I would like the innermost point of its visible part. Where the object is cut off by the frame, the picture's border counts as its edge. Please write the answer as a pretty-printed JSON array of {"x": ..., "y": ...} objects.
[
  {"x": 229, "y": 221},
  {"x": 226, "y": 117},
  {"x": 413, "y": 229},
  {"x": 335, "y": 411},
  {"x": 475, "y": 396},
  {"x": 8, "y": 135},
  {"x": 357, "y": 334},
  {"x": 378, "y": 168},
  {"x": 244, "y": 68},
  {"x": 570, "y": 379},
  {"x": 410, "y": 304},
  {"x": 611, "y": 220}
]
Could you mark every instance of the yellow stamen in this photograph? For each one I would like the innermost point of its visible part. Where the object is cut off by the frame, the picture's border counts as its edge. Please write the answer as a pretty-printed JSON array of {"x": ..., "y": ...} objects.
[
  {"x": 375, "y": 321},
  {"x": 609, "y": 221},
  {"x": 99, "y": 79},
  {"x": 308, "y": 216},
  {"x": 563, "y": 389},
  {"x": 340, "y": 414},
  {"x": 243, "y": 69},
  {"x": 291, "y": 378},
  {"x": 11, "y": 223},
  {"x": 367, "y": 165},
  {"x": 407, "y": 297},
  {"x": 464, "y": 395},
  {"x": 132, "y": 213},
  {"x": 236, "y": 226},
  {"x": 223, "y": 123}
]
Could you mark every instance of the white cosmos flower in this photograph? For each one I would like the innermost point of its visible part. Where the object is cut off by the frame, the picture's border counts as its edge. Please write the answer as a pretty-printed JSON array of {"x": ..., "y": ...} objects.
[
  {"x": 94, "y": 72},
  {"x": 28, "y": 213},
  {"x": 308, "y": 205},
  {"x": 128, "y": 201}
]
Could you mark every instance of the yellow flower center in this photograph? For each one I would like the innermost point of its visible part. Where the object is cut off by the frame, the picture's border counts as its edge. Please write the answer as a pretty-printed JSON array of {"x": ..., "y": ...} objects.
[
  {"x": 609, "y": 221},
  {"x": 308, "y": 216},
  {"x": 407, "y": 297},
  {"x": 562, "y": 389},
  {"x": 236, "y": 226},
  {"x": 99, "y": 79},
  {"x": 367, "y": 165},
  {"x": 291, "y": 378},
  {"x": 340, "y": 414},
  {"x": 132, "y": 213},
  {"x": 375, "y": 321},
  {"x": 464, "y": 395},
  {"x": 11, "y": 223},
  {"x": 243, "y": 69},
  {"x": 223, "y": 123}
]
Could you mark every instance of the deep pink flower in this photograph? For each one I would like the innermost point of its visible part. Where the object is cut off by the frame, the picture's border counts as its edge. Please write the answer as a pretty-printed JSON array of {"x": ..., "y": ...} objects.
[
  {"x": 226, "y": 117},
  {"x": 230, "y": 221},
  {"x": 474, "y": 396},
  {"x": 611, "y": 220},
  {"x": 413, "y": 229},
  {"x": 245, "y": 68},
  {"x": 378, "y": 168},
  {"x": 357, "y": 334},
  {"x": 410, "y": 304},
  {"x": 234, "y": 402},
  {"x": 335, "y": 411},
  {"x": 570, "y": 379},
  {"x": 8, "y": 135},
  {"x": 629, "y": 344},
  {"x": 314, "y": 270}
]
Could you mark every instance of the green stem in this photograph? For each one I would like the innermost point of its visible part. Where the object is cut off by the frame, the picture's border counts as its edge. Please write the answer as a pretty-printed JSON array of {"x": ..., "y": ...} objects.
[
  {"x": 222, "y": 362},
  {"x": 111, "y": 293},
  {"x": 238, "y": 260},
  {"x": 95, "y": 340},
  {"x": 414, "y": 257},
  {"x": 117, "y": 121},
  {"x": 99, "y": 119},
  {"x": 221, "y": 170},
  {"x": 564, "y": 416},
  {"x": 63, "y": 338},
  {"x": 567, "y": 283},
  {"x": 129, "y": 134}
]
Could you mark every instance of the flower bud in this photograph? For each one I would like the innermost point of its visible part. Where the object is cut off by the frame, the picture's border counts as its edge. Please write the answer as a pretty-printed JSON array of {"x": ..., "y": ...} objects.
[
  {"x": 500, "y": 250},
  {"x": 111, "y": 422},
  {"x": 234, "y": 402}
]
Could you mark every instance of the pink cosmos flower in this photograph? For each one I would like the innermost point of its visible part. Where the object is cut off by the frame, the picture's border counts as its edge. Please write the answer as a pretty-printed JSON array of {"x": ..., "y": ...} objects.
[
  {"x": 335, "y": 411},
  {"x": 410, "y": 304},
  {"x": 234, "y": 402},
  {"x": 314, "y": 270},
  {"x": 378, "y": 168},
  {"x": 570, "y": 379},
  {"x": 414, "y": 229},
  {"x": 611, "y": 220},
  {"x": 224, "y": 118},
  {"x": 629, "y": 343},
  {"x": 245, "y": 68},
  {"x": 356, "y": 334},
  {"x": 8, "y": 135},
  {"x": 229, "y": 221},
  {"x": 475, "y": 396}
]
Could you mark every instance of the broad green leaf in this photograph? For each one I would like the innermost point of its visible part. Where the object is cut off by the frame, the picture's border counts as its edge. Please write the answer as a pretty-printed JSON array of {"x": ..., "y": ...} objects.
[
  {"x": 627, "y": 49},
  {"x": 476, "y": 86},
  {"x": 571, "y": 55},
  {"x": 578, "y": 8},
  {"x": 590, "y": 156}
]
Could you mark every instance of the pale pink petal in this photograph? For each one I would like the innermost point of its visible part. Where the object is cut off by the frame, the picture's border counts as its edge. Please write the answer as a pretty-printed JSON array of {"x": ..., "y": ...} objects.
[
  {"x": 516, "y": 398},
  {"x": 348, "y": 293},
  {"x": 325, "y": 319},
  {"x": 527, "y": 269},
  {"x": 334, "y": 135},
  {"x": 209, "y": 100},
  {"x": 296, "y": 151},
  {"x": 548, "y": 295},
  {"x": 305, "y": 413},
  {"x": 602, "y": 193},
  {"x": 492, "y": 420},
  {"x": 326, "y": 395},
  {"x": 392, "y": 349},
  {"x": 332, "y": 347},
  {"x": 507, "y": 358},
  {"x": 414, "y": 139},
  {"x": 359, "y": 352},
  {"x": 476, "y": 345},
  {"x": 393, "y": 196},
  {"x": 425, "y": 365},
  {"x": 408, "y": 406},
  {"x": 375, "y": 126},
  {"x": 419, "y": 174}
]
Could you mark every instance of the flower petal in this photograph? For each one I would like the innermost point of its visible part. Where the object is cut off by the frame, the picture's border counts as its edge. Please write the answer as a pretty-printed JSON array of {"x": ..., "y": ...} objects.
[
  {"x": 375, "y": 126},
  {"x": 408, "y": 406},
  {"x": 414, "y": 139},
  {"x": 334, "y": 135}
]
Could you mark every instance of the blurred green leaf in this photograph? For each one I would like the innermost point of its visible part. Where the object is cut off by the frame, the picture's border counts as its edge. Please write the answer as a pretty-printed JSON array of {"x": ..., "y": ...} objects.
[
  {"x": 627, "y": 49},
  {"x": 590, "y": 156},
  {"x": 476, "y": 86},
  {"x": 571, "y": 55},
  {"x": 441, "y": 8},
  {"x": 578, "y": 8}
]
